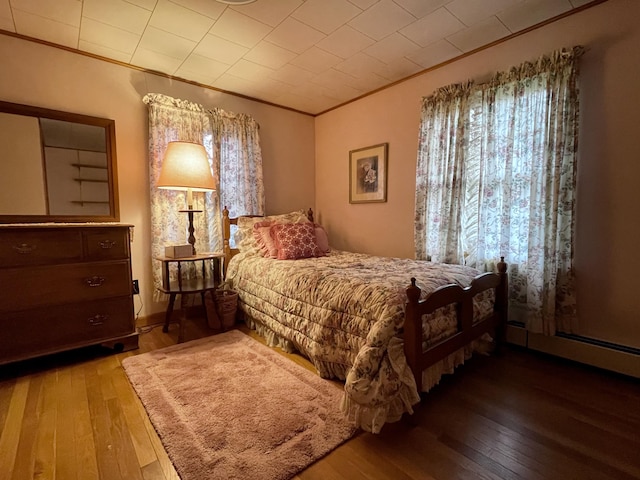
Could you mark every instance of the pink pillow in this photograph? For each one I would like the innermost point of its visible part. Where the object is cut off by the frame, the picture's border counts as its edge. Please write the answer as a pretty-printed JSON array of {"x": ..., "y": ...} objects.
[
  {"x": 322, "y": 239},
  {"x": 296, "y": 240},
  {"x": 264, "y": 239}
]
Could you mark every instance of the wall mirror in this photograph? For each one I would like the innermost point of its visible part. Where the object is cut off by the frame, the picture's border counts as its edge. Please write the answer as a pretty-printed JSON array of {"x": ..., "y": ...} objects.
[{"x": 56, "y": 166}]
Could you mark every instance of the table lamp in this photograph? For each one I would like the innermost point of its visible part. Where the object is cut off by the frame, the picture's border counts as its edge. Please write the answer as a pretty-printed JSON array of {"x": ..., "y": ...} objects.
[{"x": 186, "y": 167}]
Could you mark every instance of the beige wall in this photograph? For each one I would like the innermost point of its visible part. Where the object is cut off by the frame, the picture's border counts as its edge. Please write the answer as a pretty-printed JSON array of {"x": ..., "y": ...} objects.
[
  {"x": 608, "y": 224},
  {"x": 47, "y": 77}
]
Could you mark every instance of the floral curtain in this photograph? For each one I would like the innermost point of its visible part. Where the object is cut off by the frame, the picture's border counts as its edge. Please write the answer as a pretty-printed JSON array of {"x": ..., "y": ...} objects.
[
  {"x": 496, "y": 176},
  {"x": 237, "y": 145},
  {"x": 233, "y": 145}
]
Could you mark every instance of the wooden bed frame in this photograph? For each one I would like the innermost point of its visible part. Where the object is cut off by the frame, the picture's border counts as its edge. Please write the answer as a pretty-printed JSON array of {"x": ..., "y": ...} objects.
[{"x": 417, "y": 358}]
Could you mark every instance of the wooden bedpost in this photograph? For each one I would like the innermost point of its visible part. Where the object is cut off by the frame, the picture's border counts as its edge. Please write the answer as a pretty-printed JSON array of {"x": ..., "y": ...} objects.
[
  {"x": 226, "y": 235},
  {"x": 502, "y": 303},
  {"x": 413, "y": 333}
]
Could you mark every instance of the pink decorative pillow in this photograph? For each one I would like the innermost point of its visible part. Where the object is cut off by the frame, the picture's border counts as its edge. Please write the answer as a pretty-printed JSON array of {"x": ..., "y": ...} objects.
[
  {"x": 296, "y": 240},
  {"x": 264, "y": 239},
  {"x": 244, "y": 238},
  {"x": 322, "y": 239}
]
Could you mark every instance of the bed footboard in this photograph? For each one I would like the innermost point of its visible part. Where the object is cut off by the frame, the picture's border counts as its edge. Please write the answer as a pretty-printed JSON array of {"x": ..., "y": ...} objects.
[{"x": 467, "y": 331}]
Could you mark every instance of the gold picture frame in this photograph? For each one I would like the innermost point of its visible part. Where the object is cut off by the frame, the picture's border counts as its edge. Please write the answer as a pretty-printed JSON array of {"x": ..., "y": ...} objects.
[{"x": 368, "y": 174}]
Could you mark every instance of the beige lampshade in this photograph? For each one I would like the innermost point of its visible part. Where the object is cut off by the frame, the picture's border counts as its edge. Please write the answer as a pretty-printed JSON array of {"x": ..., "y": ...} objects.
[{"x": 186, "y": 167}]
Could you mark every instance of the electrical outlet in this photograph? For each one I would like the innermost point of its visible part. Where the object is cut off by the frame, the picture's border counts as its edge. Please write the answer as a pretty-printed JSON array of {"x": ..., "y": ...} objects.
[{"x": 136, "y": 288}]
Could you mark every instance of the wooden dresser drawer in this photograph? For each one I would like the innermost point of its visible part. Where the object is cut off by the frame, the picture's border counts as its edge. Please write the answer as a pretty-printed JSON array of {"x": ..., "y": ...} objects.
[
  {"x": 39, "y": 286},
  {"x": 29, "y": 247},
  {"x": 46, "y": 330},
  {"x": 64, "y": 286},
  {"x": 106, "y": 244}
]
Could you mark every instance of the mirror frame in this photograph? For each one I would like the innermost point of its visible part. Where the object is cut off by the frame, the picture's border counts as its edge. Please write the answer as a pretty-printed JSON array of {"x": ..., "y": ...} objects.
[{"x": 110, "y": 138}]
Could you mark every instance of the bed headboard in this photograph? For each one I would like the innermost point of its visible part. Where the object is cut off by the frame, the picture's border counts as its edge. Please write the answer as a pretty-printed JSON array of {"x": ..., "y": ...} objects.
[{"x": 226, "y": 235}]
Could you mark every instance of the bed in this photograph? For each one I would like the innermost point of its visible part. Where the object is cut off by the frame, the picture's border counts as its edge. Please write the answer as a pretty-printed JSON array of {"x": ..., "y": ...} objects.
[{"x": 388, "y": 327}]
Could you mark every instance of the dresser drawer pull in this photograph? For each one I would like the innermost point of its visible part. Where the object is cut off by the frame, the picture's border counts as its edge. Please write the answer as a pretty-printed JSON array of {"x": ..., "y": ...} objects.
[
  {"x": 24, "y": 248},
  {"x": 95, "y": 281},
  {"x": 97, "y": 320},
  {"x": 107, "y": 244}
]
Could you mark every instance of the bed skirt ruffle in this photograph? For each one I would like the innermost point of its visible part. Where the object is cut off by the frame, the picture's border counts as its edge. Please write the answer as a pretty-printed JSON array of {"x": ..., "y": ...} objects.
[{"x": 371, "y": 418}]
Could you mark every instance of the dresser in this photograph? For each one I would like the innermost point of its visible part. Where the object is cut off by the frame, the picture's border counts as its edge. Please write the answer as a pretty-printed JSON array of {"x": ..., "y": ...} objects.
[{"x": 64, "y": 286}]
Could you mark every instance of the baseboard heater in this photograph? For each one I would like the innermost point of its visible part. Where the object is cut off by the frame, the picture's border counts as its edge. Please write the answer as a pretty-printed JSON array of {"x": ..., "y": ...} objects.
[{"x": 598, "y": 353}]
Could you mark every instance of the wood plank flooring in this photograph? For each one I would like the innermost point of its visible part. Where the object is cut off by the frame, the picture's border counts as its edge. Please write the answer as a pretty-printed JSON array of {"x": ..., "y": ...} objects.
[{"x": 517, "y": 415}]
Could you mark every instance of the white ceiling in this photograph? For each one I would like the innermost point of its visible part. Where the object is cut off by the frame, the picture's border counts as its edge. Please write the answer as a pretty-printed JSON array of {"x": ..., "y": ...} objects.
[{"x": 308, "y": 55}]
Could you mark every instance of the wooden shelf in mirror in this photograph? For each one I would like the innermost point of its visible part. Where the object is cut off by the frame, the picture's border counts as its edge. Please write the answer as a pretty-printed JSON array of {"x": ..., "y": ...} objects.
[{"x": 28, "y": 190}]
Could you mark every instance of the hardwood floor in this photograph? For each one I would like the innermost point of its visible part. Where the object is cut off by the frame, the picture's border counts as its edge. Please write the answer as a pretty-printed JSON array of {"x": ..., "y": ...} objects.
[{"x": 517, "y": 415}]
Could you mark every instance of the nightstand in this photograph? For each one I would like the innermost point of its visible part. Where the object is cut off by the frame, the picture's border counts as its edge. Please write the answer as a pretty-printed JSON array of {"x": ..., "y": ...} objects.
[{"x": 210, "y": 266}]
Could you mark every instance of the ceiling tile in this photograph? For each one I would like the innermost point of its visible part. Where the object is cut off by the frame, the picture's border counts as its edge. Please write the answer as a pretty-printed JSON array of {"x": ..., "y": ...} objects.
[
  {"x": 203, "y": 66},
  {"x": 220, "y": 49},
  {"x": 7, "y": 24},
  {"x": 297, "y": 102},
  {"x": 470, "y": 13},
  {"x": 232, "y": 83},
  {"x": 326, "y": 15},
  {"x": 482, "y": 33},
  {"x": 392, "y": 47},
  {"x": 146, "y": 4},
  {"x": 420, "y": 8},
  {"x": 117, "y": 13},
  {"x": 363, "y": 4},
  {"x": 345, "y": 93},
  {"x": 332, "y": 77},
  {"x": 270, "y": 55},
  {"x": 336, "y": 88},
  {"x": 398, "y": 69},
  {"x": 166, "y": 43},
  {"x": 310, "y": 89},
  {"x": 294, "y": 35},
  {"x": 108, "y": 36},
  {"x": 62, "y": 11},
  {"x": 531, "y": 12},
  {"x": 46, "y": 29},
  {"x": 271, "y": 13},
  {"x": 292, "y": 75},
  {"x": 206, "y": 7},
  {"x": 5, "y": 10},
  {"x": 104, "y": 51},
  {"x": 368, "y": 82},
  {"x": 345, "y": 42},
  {"x": 180, "y": 21},
  {"x": 384, "y": 18},
  {"x": 273, "y": 87},
  {"x": 316, "y": 60},
  {"x": 239, "y": 28},
  {"x": 249, "y": 70},
  {"x": 359, "y": 65},
  {"x": 155, "y": 61},
  {"x": 433, "y": 27},
  {"x": 434, "y": 54}
]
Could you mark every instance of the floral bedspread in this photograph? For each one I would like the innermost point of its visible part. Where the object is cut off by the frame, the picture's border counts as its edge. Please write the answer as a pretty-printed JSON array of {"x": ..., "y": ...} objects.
[{"x": 344, "y": 312}]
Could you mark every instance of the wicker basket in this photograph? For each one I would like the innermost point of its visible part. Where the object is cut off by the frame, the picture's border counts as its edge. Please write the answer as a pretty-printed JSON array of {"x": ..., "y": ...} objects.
[{"x": 226, "y": 306}]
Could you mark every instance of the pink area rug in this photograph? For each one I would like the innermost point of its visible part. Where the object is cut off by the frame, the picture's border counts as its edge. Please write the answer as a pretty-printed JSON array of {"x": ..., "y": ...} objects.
[{"x": 229, "y": 407}]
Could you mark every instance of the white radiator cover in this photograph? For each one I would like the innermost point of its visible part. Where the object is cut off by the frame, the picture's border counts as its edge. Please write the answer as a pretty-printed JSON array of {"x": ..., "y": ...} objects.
[{"x": 604, "y": 357}]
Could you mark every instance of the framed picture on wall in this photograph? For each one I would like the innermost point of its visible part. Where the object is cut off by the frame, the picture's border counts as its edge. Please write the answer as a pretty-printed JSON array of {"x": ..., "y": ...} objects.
[{"x": 368, "y": 174}]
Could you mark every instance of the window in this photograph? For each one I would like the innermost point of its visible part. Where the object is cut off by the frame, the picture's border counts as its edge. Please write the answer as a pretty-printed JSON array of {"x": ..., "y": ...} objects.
[{"x": 496, "y": 177}]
